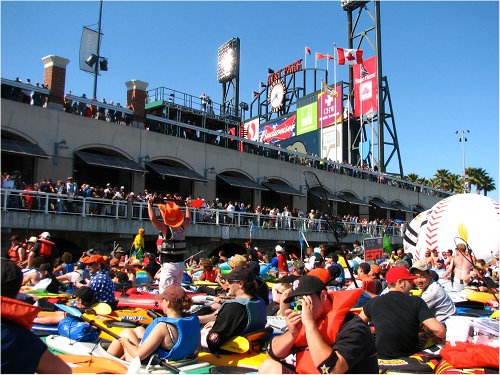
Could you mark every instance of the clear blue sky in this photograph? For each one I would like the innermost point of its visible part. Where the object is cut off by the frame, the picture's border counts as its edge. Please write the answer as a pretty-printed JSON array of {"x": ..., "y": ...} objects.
[{"x": 441, "y": 59}]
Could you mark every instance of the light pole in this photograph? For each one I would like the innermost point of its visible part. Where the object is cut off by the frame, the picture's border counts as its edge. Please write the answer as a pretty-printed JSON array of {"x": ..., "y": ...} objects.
[
  {"x": 96, "y": 71},
  {"x": 463, "y": 139}
]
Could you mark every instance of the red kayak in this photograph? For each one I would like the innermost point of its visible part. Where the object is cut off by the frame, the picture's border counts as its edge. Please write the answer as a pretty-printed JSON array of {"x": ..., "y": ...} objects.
[{"x": 145, "y": 300}]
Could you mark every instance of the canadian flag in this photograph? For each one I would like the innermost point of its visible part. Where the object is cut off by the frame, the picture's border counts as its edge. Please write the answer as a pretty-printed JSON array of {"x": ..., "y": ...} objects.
[
  {"x": 320, "y": 56},
  {"x": 350, "y": 56}
]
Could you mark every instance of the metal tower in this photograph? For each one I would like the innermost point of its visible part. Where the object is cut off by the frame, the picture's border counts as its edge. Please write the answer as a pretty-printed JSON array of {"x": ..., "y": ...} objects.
[{"x": 384, "y": 118}]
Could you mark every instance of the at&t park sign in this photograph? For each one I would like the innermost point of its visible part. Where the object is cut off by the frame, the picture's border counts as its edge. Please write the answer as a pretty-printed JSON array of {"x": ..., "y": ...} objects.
[{"x": 292, "y": 68}]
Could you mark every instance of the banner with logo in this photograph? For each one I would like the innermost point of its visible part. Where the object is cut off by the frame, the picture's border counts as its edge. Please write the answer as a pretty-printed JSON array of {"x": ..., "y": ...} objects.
[
  {"x": 327, "y": 115},
  {"x": 88, "y": 46},
  {"x": 252, "y": 129},
  {"x": 332, "y": 143},
  {"x": 365, "y": 87},
  {"x": 307, "y": 118},
  {"x": 374, "y": 248},
  {"x": 279, "y": 130}
]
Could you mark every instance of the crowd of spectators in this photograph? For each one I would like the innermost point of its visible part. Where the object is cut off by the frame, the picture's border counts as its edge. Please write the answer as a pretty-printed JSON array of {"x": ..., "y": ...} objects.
[
  {"x": 224, "y": 138},
  {"x": 27, "y": 96},
  {"x": 97, "y": 112},
  {"x": 67, "y": 197}
]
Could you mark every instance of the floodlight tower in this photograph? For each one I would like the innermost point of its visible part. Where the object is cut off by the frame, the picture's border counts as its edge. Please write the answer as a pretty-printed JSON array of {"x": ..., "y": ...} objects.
[
  {"x": 384, "y": 116},
  {"x": 228, "y": 73}
]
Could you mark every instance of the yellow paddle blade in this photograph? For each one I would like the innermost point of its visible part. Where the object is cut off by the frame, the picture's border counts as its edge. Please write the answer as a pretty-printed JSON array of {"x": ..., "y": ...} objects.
[
  {"x": 236, "y": 344},
  {"x": 462, "y": 232},
  {"x": 102, "y": 308}
]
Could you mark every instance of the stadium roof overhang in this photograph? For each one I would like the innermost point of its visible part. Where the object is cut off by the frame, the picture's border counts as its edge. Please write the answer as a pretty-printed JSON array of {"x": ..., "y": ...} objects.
[
  {"x": 109, "y": 161},
  {"x": 23, "y": 148},
  {"x": 177, "y": 172},
  {"x": 242, "y": 182}
]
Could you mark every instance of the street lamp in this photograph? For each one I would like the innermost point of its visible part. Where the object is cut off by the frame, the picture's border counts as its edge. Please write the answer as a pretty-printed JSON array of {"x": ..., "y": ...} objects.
[{"x": 463, "y": 139}]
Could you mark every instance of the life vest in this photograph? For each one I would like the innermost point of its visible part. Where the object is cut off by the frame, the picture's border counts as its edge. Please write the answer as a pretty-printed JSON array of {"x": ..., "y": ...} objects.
[
  {"x": 210, "y": 275},
  {"x": 282, "y": 265},
  {"x": 188, "y": 339},
  {"x": 172, "y": 249},
  {"x": 46, "y": 247},
  {"x": 256, "y": 312},
  {"x": 19, "y": 312},
  {"x": 342, "y": 302},
  {"x": 13, "y": 253}
]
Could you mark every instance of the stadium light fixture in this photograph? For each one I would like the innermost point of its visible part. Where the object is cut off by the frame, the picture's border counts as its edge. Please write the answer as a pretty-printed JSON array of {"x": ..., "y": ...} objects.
[
  {"x": 91, "y": 60},
  {"x": 227, "y": 60}
]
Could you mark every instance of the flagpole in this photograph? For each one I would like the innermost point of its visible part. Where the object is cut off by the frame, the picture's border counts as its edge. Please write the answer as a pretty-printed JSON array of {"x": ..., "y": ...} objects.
[
  {"x": 349, "y": 139},
  {"x": 372, "y": 139},
  {"x": 335, "y": 104},
  {"x": 321, "y": 119},
  {"x": 305, "y": 58},
  {"x": 361, "y": 126},
  {"x": 315, "y": 64}
]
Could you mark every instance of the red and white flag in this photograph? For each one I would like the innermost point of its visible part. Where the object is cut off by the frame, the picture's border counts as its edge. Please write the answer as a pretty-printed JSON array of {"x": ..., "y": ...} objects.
[
  {"x": 329, "y": 57},
  {"x": 320, "y": 56},
  {"x": 307, "y": 50},
  {"x": 350, "y": 56}
]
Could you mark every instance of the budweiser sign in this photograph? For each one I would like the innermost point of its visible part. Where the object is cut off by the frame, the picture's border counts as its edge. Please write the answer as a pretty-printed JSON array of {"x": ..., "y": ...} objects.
[{"x": 278, "y": 131}]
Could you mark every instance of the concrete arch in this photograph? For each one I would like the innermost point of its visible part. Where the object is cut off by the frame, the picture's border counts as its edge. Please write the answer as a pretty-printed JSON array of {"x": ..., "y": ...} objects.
[
  {"x": 348, "y": 192},
  {"x": 178, "y": 162},
  {"x": 238, "y": 172},
  {"x": 13, "y": 133},
  {"x": 277, "y": 179},
  {"x": 115, "y": 151}
]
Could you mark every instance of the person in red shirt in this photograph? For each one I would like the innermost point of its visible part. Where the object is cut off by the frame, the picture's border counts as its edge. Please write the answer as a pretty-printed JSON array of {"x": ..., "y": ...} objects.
[
  {"x": 282, "y": 264},
  {"x": 368, "y": 281}
]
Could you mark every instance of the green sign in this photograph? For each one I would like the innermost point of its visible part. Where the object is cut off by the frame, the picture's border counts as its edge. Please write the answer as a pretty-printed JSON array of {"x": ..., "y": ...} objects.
[{"x": 307, "y": 118}]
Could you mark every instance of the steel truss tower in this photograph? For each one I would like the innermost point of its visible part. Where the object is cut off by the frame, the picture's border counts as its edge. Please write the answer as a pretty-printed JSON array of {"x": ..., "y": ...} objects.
[{"x": 386, "y": 135}]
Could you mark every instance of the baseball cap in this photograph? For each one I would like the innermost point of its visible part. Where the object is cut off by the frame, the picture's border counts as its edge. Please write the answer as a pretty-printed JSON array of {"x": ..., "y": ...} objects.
[
  {"x": 279, "y": 249},
  {"x": 12, "y": 278},
  {"x": 93, "y": 259},
  {"x": 321, "y": 274},
  {"x": 398, "y": 273},
  {"x": 173, "y": 293},
  {"x": 298, "y": 264},
  {"x": 374, "y": 268},
  {"x": 305, "y": 285},
  {"x": 240, "y": 274},
  {"x": 419, "y": 265},
  {"x": 114, "y": 262},
  {"x": 33, "y": 239}
]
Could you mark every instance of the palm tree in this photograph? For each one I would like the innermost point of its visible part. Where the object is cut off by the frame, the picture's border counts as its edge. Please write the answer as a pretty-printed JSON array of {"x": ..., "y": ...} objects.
[
  {"x": 454, "y": 183},
  {"x": 439, "y": 179},
  {"x": 412, "y": 177},
  {"x": 474, "y": 177},
  {"x": 486, "y": 184}
]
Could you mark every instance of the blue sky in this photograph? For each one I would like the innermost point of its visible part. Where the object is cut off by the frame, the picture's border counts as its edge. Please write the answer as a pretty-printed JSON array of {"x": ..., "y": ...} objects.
[{"x": 441, "y": 59}]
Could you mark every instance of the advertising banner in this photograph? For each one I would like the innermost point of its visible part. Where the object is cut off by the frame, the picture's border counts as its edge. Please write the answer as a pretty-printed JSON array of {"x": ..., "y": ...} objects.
[
  {"x": 306, "y": 143},
  {"x": 252, "y": 129},
  {"x": 279, "y": 130},
  {"x": 307, "y": 118},
  {"x": 373, "y": 248},
  {"x": 332, "y": 143},
  {"x": 365, "y": 87},
  {"x": 88, "y": 46},
  {"x": 330, "y": 108}
]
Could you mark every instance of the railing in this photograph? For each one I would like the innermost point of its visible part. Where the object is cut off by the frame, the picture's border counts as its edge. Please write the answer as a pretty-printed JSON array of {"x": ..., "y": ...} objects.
[
  {"x": 166, "y": 95},
  {"x": 223, "y": 139},
  {"x": 29, "y": 201}
]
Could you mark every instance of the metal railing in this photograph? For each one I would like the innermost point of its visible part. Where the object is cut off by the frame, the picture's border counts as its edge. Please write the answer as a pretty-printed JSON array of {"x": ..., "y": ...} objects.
[{"x": 29, "y": 201}]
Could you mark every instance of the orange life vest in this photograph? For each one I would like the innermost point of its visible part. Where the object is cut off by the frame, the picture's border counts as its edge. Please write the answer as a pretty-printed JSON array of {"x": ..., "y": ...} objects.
[
  {"x": 19, "y": 312},
  {"x": 342, "y": 301},
  {"x": 46, "y": 247},
  {"x": 13, "y": 253}
]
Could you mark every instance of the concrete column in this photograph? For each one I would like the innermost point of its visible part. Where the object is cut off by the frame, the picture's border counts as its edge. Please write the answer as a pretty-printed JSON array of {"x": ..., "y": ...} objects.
[
  {"x": 55, "y": 78},
  {"x": 136, "y": 98}
]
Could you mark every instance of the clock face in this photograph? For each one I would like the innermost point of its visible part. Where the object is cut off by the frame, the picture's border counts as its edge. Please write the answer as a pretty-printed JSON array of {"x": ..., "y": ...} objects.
[{"x": 277, "y": 95}]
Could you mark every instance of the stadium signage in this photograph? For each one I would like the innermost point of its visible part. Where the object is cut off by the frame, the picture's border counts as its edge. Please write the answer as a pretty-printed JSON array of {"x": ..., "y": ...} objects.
[{"x": 292, "y": 68}]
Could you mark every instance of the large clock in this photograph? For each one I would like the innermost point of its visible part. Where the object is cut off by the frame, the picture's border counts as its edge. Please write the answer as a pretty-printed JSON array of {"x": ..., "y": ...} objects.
[{"x": 277, "y": 95}]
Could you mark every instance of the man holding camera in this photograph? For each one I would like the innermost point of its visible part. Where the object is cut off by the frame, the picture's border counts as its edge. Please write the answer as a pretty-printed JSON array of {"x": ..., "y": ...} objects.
[{"x": 321, "y": 320}]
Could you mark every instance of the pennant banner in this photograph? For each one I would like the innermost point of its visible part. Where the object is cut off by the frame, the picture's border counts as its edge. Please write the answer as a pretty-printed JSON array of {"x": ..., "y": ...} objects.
[
  {"x": 365, "y": 87},
  {"x": 88, "y": 46}
]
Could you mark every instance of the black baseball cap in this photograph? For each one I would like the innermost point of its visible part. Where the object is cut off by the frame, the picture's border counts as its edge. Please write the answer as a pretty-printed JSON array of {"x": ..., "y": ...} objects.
[
  {"x": 305, "y": 285},
  {"x": 240, "y": 274},
  {"x": 85, "y": 294}
]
